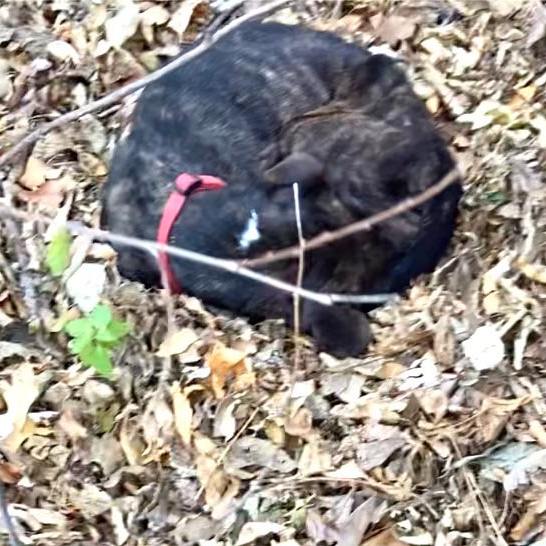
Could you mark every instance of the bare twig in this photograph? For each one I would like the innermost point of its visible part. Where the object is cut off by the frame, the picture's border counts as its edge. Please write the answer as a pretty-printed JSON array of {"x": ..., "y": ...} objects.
[
  {"x": 6, "y": 518},
  {"x": 299, "y": 282},
  {"x": 231, "y": 266},
  {"x": 366, "y": 224},
  {"x": 130, "y": 88}
]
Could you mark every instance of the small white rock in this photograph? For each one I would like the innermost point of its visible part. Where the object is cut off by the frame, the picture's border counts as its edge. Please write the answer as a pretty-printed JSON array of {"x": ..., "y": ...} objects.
[
  {"x": 85, "y": 285},
  {"x": 484, "y": 348}
]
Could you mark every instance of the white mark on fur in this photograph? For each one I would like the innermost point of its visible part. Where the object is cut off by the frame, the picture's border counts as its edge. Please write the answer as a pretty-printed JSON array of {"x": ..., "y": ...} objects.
[{"x": 251, "y": 233}]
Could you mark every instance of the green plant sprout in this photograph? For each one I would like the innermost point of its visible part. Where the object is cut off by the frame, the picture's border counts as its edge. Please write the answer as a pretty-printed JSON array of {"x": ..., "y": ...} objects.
[{"x": 95, "y": 336}]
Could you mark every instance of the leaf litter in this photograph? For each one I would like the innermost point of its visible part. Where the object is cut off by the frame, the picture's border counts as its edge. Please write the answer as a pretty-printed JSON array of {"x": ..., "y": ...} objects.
[{"x": 436, "y": 437}]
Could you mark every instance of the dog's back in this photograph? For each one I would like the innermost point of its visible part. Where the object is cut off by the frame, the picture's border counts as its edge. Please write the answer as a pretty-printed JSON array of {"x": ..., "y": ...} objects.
[{"x": 238, "y": 111}]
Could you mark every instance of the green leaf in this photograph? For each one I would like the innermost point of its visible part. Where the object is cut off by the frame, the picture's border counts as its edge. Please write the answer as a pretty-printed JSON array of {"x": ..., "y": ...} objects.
[
  {"x": 101, "y": 316},
  {"x": 97, "y": 357},
  {"x": 58, "y": 252},
  {"x": 81, "y": 327},
  {"x": 118, "y": 329},
  {"x": 79, "y": 344}
]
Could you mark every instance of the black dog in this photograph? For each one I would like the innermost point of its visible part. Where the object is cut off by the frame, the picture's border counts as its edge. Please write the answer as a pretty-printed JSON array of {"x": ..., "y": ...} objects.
[{"x": 266, "y": 106}]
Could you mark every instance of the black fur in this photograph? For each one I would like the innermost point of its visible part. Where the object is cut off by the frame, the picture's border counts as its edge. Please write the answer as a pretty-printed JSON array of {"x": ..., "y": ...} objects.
[{"x": 266, "y": 106}]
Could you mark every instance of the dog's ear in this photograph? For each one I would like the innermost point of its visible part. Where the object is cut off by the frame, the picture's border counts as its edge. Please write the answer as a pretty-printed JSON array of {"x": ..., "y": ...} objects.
[{"x": 299, "y": 167}]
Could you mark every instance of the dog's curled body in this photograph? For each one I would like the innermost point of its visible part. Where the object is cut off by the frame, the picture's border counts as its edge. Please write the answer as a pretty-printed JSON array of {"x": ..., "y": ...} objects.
[{"x": 266, "y": 106}]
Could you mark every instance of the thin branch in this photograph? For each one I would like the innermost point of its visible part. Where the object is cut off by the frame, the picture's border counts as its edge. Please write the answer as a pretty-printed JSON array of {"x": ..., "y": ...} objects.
[
  {"x": 299, "y": 282},
  {"x": 366, "y": 224},
  {"x": 130, "y": 88},
  {"x": 232, "y": 266}
]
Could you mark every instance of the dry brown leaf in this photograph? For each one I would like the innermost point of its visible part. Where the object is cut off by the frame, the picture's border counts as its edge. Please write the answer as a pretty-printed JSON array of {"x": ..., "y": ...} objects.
[
  {"x": 348, "y": 471},
  {"x": 178, "y": 342},
  {"x": 224, "y": 364},
  {"x": 9, "y": 473},
  {"x": 34, "y": 175},
  {"x": 131, "y": 443},
  {"x": 119, "y": 28},
  {"x": 434, "y": 403},
  {"x": 384, "y": 538},
  {"x": 154, "y": 16},
  {"x": 373, "y": 454},
  {"x": 70, "y": 425},
  {"x": 225, "y": 423},
  {"x": 50, "y": 194},
  {"x": 535, "y": 272},
  {"x": 313, "y": 459},
  {"x": 254, "y": 530},
  {"x": 538, "y": 22},
  {"x": 529, "y": 519},
  {"x": 299, "y": 424},
  {"x": 181, "y": 18},
  {"x": 393, "y": 28},
  {"x": 63, "y": 51},
  {"x": 19, "y": 395},
  {"x": 183, "y": 413},
  {"x": 351, "y": 527}
]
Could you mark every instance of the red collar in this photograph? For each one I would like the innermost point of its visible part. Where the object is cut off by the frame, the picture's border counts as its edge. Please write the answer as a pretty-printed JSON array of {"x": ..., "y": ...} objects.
[{"x": 184, "y": 186}]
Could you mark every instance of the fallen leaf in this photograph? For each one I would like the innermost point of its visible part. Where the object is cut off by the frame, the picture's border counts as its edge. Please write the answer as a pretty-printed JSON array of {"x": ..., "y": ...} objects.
[
  {"x": 34, "y": 175},
  {"x": 178, "y": 342},
  {"x": 122, "y": 26},
  {"x": 504, "y": 8},
  {"x": 181, "y": 18},
  {"x": 300, "y": 424},
  {"x": 90, "y": 500},
  {"x": 434, "y": 402},
  {"x": 373, "y": 454},
  {"x": 393, "y": 28},
  {"x": 384, "y": 538},
  {"x": 535, "y": 272},
  {"x": 63, "y": 51},
  {"x": 225, "y": 423},
  {"x": 19, "y": 395},
  {"x": 257, "y": 452},
  {"x": 153, "y": 16},
  {"x": 313, "y": 459},
  {"x": 351, "y": 529},
  {"x": 183, "y": 414},
  {"x": 50, "y": 194},
  {"x": 253, "y": 530},
  {"x": 537, "y": 17},
  {"x": 348, "y": 471},
  {"x": 225, "y": 363}
]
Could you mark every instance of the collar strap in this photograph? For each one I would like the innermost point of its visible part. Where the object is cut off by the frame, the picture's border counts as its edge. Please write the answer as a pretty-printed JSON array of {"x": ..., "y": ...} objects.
[{"x": 184, "y": 185}]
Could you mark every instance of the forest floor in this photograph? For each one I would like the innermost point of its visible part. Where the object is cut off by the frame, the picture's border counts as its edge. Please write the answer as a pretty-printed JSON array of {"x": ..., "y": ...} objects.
[{"x": 436, "y": 437}]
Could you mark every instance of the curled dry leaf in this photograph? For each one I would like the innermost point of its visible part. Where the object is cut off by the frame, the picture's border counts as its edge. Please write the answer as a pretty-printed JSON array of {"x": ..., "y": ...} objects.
[
  {"x": 249, "y": 451},
  {"x": 393, "y": 28},
  {"x": 19, "y": 395},
  {"x": 152, "y": 17},
  {"x": 34, "y": 174},
  {"x": 314, "y": 459},
  {"x": 226, "y": 363},
  {"x": 123, "y": 25},
  {"x": 183, "y": 413},
  {"x": 300, "y": 423},
  {"x": 181, "y": 18},
  {"x": 177, "y": 343},
  {"x": 63, "y": 51}
]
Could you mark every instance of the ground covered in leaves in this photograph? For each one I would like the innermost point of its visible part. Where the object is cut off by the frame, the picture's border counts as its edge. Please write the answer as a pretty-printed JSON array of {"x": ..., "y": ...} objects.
[{"x": 436, "y": 437}]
